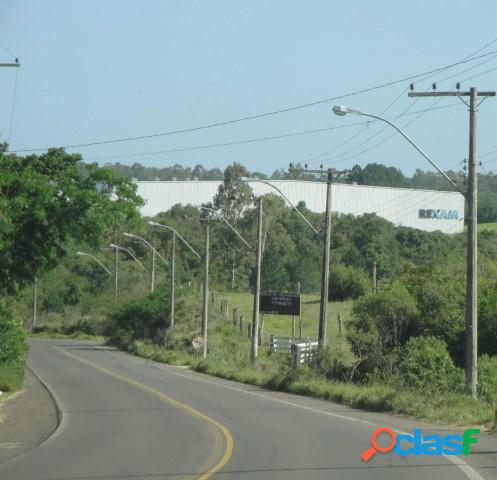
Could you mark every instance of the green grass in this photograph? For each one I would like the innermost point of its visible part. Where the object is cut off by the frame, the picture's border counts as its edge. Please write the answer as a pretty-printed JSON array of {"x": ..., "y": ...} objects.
[
  {"x": 492, "y": 227},
  {"x": 11, "y": 377},
  {"x": 229, "y": 357},
  {"x": 282, "y": 324}
]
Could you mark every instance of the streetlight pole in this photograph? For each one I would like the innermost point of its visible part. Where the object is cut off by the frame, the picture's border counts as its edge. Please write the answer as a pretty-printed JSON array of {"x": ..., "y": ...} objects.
[
  {"x": 206, "y": 269},
  {"x": 116, "y": 263},
  {"x": 255, "y": 314},
  {"x": 173, "y": 263},
  {"x": 173, "y": 255},
  {"x": 471, "y": 341},
  {"x": 205, "y": 306},
  {"x": 116, "y": 266},
  {"x": 154, "y": 254}
]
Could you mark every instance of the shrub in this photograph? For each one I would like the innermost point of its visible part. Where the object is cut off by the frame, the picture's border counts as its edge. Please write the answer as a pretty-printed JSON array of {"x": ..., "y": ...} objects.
[
  {"x": 487, "y": 379},
  {"x": 12, "y": 350},
  {"x": 347, "y": 282},
  {"x": 12, "y": 346},
  {"x": 380, "y": 325},
  {"x": 427, "y": 365},
  {"x": 141, "y": 319}
]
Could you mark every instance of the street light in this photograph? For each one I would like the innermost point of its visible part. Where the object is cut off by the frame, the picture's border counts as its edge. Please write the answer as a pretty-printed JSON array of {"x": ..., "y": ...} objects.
[
  {"x": 471, "y": 272},
  {"x": 154, "y": 253},
  {"x": 257, "y": 179},
  {"x": 323, "y": 312},
  {"x": 83, "y": 254},
  {"x": 342, "y": 110},
  {"x": 237, "y": 233},
  {"x": 117, "y": 248},
  {"x": 173, "y": 255}
]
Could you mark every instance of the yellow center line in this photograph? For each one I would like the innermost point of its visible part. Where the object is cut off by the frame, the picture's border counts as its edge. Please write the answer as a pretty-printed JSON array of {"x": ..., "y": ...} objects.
[{"x": 228, "y": 451}]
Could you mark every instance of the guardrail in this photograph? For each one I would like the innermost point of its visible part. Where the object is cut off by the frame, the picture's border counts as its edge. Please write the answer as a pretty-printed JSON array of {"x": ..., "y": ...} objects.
[
  {"x": 303, "y": 352},
  {"x": 301, "y": 349}
]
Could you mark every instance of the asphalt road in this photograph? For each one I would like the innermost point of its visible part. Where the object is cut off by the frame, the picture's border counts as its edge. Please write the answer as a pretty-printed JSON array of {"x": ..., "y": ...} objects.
[{"x": 126, "y": 418}]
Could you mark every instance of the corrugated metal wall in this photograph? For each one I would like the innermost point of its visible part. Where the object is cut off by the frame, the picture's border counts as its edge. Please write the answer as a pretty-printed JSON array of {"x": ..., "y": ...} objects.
[{"x": 424, "y": 209}]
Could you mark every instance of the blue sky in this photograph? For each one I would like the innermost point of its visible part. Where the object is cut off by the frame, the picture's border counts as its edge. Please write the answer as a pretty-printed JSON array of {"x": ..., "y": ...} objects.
[{"x": 98, "y": 70}]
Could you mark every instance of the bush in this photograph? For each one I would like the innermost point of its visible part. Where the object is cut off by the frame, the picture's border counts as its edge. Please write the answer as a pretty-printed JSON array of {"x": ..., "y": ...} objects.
[
  {"x": 12, "y": 350},
  {"x": 487, "y": 379},
  {"x": 347, "y": 282},
  {"x": 380, "y": 325},
  {"x": 146, "y": 318},
  {"x": 427, "y": 365}
]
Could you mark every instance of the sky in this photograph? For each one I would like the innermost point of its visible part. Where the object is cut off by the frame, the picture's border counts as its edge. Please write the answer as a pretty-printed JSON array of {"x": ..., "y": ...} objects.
[{"x": 99, "y": 70}]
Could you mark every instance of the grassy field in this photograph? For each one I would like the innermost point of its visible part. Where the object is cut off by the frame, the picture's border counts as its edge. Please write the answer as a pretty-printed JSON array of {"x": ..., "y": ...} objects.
[
  {"x": 282, "y": 324},
  {"x": 492, "y": 227}
]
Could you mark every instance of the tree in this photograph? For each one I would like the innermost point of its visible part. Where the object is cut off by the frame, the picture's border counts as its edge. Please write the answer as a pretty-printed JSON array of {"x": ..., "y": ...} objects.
[
  {"x": 233, "y": 196},
  {"x": 49, "y": 201}
]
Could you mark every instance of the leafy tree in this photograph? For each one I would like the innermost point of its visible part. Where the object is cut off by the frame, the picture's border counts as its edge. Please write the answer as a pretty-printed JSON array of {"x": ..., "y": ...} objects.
[
  {"x": 381, "y": 324},
  {"x": 347, "y": 283},
  {"x": 49, "y": 200},
  {"x": 379, "y": 175}
]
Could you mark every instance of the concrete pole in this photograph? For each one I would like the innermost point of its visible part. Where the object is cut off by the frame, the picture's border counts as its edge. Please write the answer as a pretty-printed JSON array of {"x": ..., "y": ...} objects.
[
  {"x": 173, "y": 255},
  {"x": 375, "y": 285},
  {"x": 152, "y": 280},
  {"x": 205, "y": 310},
  {"x": 471, "y": 350},
  {"x": 35, "y": 301},
  {"x": 257, "y": 291},
  {"x": 326, "y": 264},
  {"x": 116, "y": 273}
]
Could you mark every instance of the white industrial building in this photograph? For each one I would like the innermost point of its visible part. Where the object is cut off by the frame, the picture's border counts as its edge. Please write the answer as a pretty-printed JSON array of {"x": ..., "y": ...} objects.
[{"x": 424, "y": 209}]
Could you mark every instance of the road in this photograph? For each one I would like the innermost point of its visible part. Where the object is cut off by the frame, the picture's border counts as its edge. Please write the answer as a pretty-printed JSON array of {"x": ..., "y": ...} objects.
[{"x": 127, "y": 418}]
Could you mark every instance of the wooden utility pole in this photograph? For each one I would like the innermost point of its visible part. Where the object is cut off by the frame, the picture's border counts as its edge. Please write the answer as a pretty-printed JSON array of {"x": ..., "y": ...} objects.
[
  {"x": 205, "y": 309},
  {"x": 257, "y": 291},
  {"x": 471, "y": 343}
]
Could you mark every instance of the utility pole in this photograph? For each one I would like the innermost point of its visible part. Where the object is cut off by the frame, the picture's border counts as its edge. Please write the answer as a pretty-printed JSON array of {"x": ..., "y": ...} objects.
[
  {"x": 255, "y": 318},
  {"x": 116, "y": 262},
  {"x": 205, "y": 309},
  {"x": 325, "y": 273},
  {"x": 152, "y": 280},
  {"x": 471, "y": 343},
  {"x": 35, "y": 300},
  {"x": 375, "y": 285},
  {"x": 173, "y": 254}
]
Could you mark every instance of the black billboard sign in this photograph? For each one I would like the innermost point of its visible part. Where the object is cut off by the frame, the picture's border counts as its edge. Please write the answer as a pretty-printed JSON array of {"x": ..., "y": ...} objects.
[{"x": 278, "y": 303}]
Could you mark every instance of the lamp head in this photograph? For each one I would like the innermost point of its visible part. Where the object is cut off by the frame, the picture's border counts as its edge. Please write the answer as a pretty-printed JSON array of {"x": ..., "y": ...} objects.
[
  {"x": 80, "y": 253},
  {"x": 113, "y": 245},
  {"x": 153, "y": 224},
  {"x": 340, "y": 110}
]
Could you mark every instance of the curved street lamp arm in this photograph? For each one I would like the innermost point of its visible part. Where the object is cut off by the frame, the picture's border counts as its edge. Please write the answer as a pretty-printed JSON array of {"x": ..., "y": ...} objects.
[
  {"x": 148, "y": 244},
  {"x": 288, "y": 201},
  {"x": 155, "y": 224},
  {"x": 96, "y": 260},
  {"x": 377, "y": 117},
  {"x": 238, "y": 234},
  {"x": 130, "y": 253}
]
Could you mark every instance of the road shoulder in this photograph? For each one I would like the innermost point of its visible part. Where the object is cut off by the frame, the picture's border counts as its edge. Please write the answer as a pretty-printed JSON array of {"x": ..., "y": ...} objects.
[{"x": 28, "y": 418}]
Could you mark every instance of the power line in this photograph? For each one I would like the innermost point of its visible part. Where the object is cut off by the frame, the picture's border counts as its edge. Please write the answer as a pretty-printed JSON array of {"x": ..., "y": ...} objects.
[
  {"x": 248, "y": 140},
  {"x": 266, "y": 114}
]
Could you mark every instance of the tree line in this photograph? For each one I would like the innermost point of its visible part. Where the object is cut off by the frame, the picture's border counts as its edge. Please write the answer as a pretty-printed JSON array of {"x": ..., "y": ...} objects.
[{"x": 375, "y": 174}]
